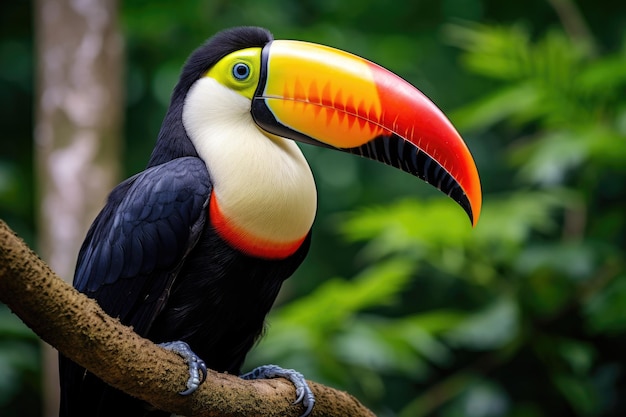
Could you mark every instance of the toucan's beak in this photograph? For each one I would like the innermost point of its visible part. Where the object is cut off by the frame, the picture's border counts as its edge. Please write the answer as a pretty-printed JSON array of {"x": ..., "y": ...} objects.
[{"x": 324, "y": 96}]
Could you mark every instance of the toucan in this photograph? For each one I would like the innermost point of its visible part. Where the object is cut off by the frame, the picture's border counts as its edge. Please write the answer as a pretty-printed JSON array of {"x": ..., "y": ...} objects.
[{"x": 192, "y": 251}]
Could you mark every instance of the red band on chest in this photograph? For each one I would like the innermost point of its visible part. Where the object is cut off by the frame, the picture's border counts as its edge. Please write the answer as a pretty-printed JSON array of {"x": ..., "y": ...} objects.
[{"x": 246, "y": 242}]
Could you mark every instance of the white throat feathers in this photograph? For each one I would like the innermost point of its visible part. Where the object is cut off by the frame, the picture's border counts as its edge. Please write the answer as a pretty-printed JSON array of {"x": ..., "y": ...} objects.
[{"x": 264, "y": 198}]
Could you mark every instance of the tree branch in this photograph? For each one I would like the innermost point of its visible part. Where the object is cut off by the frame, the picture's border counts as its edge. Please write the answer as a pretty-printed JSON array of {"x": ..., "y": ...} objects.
[{"x": 83, "y": 332}]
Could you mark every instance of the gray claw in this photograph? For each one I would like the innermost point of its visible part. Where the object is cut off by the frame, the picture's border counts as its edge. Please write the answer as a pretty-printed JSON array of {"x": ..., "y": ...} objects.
[
  {"x": 197, "y": 367},
  {"x": 304, "y": 394}
]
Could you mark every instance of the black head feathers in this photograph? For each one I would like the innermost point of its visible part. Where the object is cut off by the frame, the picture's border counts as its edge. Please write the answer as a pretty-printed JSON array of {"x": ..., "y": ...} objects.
[
  {"x": 173, "y": 141},
  {"x": 216, "y": 48}
]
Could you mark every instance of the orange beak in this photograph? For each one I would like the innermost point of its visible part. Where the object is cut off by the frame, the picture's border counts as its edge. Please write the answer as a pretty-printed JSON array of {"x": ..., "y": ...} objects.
[{"x": 327, "y": 97}]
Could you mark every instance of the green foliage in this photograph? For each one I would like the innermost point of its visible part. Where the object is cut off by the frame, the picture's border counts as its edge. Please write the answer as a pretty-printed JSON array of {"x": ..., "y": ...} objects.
[
  {"x": 19, "y": 365},
  {"x": 606, "y": 309}
]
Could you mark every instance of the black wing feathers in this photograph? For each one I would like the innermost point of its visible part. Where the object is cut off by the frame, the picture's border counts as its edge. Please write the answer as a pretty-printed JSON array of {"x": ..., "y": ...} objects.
[
  {"x": 129, "y": 260},
  {"x": 136, "y": 244}
]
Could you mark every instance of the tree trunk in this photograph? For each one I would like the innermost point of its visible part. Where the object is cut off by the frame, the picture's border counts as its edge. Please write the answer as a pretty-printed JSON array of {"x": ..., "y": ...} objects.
[{"x": 78, "y": 123}]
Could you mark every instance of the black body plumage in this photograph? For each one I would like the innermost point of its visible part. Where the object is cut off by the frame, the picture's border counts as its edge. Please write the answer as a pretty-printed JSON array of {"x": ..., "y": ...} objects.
[{"x": 152, "y": 258}]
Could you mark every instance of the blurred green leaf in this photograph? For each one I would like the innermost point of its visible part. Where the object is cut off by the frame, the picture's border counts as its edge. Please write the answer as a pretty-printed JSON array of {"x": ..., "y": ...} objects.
[
  {"x": 549, "y": 160},
  {"x": 579, "y": 392},
  {"x": 504, "y": 104},
  {"x": 545, "y": 293},
  {"x": 482, "y": 399},
  {"x": 573, "y": 260},
  {"x": 500, "y": 52},
  {"x": 19, "y": 361},
  {"x": 436, "y": 223},
  {"x": 337, "y": 299},
  {"x": 406, "y": 224},
  {"x": 578, "y": 355},
  {"x": 12, "y": 327},
  {"x": 511, "y": 219},
  {"x": 554, "y": 156},
  {"x": 605, "y": 310},
  {"x": 491, "y": 328},
  {"x": 378, "y": 349},
  {"x": 603, "y": 77}
]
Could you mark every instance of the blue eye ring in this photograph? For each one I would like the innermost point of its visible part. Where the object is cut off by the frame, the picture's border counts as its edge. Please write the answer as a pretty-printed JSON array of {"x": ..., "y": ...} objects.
[{"x": 241, "y": 71}]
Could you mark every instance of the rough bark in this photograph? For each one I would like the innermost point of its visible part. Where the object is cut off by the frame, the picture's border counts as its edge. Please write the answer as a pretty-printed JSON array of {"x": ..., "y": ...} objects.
[{"x": 78, "y": 328}]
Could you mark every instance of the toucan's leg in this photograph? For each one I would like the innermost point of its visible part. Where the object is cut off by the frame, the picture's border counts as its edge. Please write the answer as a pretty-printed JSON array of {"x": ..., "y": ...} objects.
[
  {"x": 303, "y": 392},
  {"x": 197, "y": 367}
]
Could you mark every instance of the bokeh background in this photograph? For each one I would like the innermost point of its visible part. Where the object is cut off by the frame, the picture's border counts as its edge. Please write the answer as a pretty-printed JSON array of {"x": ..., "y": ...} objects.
[{"x": 401, "y": 302}]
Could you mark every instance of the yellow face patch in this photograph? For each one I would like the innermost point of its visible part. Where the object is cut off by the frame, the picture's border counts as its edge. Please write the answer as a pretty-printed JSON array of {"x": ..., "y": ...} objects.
[{"x": 239, "y": 71}]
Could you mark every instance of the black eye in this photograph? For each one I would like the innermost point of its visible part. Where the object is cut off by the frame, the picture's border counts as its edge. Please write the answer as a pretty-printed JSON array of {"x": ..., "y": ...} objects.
[{"x": 241, "y": 71}]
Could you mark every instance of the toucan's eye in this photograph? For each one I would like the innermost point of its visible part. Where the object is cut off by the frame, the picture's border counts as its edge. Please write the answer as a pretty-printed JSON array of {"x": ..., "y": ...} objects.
[
  {"x": 241, "y": 71},
  {"x": 238, "y": 71}
]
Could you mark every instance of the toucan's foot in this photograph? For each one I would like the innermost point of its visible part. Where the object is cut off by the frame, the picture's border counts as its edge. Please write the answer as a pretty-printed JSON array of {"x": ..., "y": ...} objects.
[
  {"x": 197, "y": 367},
  {"x": 304, "y": 394}
]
